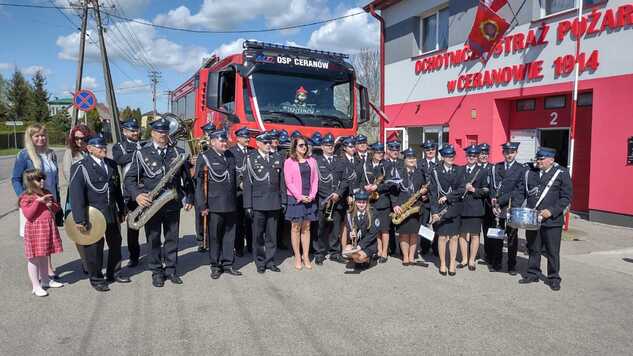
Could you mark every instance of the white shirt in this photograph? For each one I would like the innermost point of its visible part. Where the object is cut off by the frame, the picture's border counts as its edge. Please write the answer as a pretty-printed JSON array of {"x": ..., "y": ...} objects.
[
  {"x": 469, "y": 168},
  {"x": 509, "y": 165},
  {"x": 545, "y": 171},
  {"x": 328, "y": 158},
  {"x": 241, "y": 148},
  {"x": 100, "y": 162},
  {"x": 349, "y": 158}
]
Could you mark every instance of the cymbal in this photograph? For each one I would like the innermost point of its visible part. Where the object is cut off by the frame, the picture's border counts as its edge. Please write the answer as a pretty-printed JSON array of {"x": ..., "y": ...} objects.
[{"x": 96, "y": 232}]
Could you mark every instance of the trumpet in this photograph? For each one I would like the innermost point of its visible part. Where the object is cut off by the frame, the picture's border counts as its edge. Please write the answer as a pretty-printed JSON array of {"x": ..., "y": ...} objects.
[{"x": 329, "y": 208}]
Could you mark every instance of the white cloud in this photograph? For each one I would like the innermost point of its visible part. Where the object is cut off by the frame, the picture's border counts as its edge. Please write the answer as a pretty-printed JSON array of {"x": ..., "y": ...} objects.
[
  {"x": 31, "y": 70},
  {"x": 88, "y": 82},
  {"x": 6, "y": 66},
  {"x": 226, "y": 49},
  {"x": 133, "y": 86},
  {"x": 126, "y": 7},
  {"x": 348, "y": 35},
  {"x": 159, "y": 51},
  {"x": 230, "y": 14}
]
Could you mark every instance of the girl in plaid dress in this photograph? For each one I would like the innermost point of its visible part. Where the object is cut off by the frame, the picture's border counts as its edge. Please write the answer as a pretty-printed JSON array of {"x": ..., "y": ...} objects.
[{"x": 41, "y": 237}]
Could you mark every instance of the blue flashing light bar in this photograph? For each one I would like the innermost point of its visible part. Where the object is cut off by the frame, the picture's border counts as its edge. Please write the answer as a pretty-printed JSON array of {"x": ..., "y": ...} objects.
[{"x": 264, "y": 45}]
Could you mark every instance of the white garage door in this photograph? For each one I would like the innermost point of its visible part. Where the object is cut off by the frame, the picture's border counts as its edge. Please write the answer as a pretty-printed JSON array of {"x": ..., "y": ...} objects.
[{"x": 528, "y": 143}]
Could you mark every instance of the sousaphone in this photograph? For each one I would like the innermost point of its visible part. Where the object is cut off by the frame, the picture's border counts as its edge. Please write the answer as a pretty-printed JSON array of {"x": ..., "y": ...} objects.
[{"x": 97, "y": 225}]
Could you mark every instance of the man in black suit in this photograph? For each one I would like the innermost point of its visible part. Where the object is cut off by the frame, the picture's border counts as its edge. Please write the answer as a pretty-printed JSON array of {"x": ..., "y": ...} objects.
[
  {"x": 207, "y": 129},
  {"x": 426, "y": 164},
  {"x": 489, "y": 216},
  {"x": 548, "y": 189},
  {"x": 331, "y": 190},
  {"x": 149, "y": 166},
  {"x": 362, "y": 154},
  {"x": 506, "y": 176},
  {"x": 122, "y": 154},
  {"x": 392, "y": 164},
  {"x": 219, "y": 203},
  {"x": 239, "y": 151},
  {"x": 95, "y": 182},
  {"x": 264, "y": 199}
]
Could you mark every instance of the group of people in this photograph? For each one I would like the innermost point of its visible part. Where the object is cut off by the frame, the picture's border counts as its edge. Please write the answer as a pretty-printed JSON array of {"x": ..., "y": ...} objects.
[{"x": 343, "y": 200}]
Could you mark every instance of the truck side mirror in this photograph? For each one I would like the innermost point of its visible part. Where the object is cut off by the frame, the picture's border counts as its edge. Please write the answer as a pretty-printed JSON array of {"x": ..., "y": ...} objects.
[
  {"x": 213, "y": 89},
  {"x": 364, "y": 105}
]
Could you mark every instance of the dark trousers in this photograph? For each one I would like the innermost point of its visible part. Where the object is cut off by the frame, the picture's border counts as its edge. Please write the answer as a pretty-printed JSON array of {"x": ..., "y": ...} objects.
[
  {"x": 265, "y": 223},
  {"x": 94, "y": 255},
  {"x": 545, "y": 240},
  {"x": 496, "y": 247},
  {"x": 199, "y": 225},
  {"x": 243, "y": 236},
  {"x": 425, "y": 245},
  {"x": 133, "y": 246},
  {"x": 487, "y": 223},
  {"x": 221, "y": 239},
  {"x": 166, "y": 223},
  {"x": 328, "y": 240}
]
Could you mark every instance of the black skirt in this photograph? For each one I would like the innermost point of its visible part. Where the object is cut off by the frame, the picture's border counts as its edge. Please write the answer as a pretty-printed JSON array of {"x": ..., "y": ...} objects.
[
  {"x": 385, "y": 220},
  {"x": 448, "y": 226},
  {"x": 470, "y": 225},
  {"x": 369, "y": 247},
  {"x": 410, "y": 225}
]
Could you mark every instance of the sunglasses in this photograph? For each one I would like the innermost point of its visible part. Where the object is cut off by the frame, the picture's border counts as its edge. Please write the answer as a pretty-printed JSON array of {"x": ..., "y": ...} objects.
[
  {"x": 301, "y": 145},
  {"x": 39, "y": 179},
  {"x": 79, "y": 138}
]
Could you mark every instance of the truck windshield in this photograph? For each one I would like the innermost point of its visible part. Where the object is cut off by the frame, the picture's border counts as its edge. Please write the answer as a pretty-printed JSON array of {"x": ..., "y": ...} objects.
[{"x": 316, "y": 101}]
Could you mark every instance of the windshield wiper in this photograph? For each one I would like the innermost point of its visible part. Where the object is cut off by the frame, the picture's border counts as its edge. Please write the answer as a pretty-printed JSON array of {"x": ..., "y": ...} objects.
[
  {"x": 332, "y": 118},
  {"x": 293, "y": 115}
]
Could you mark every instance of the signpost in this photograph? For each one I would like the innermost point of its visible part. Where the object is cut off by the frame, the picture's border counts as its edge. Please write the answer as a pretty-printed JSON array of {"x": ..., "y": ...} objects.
[
  {"x": 15, "y": 135},
  {"x": 84, "y": 100}
]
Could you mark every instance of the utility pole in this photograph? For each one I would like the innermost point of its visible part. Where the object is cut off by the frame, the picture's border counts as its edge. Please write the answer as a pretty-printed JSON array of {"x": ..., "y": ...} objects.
[
  {"x": 154, "y": 76},
  {"x": 114, "y": 123},
  {"x": 80, "y": 62}
]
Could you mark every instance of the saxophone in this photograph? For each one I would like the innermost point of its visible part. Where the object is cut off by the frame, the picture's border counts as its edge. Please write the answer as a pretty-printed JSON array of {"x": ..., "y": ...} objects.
[
  {"x": 137, "y": 218},
  {"x": 407, "y": 208},
  {"x": 374, "y": 196}
]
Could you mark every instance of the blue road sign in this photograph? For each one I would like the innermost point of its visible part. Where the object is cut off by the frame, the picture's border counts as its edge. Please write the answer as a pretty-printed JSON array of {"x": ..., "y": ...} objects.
[{"x": 84, "y": 100}]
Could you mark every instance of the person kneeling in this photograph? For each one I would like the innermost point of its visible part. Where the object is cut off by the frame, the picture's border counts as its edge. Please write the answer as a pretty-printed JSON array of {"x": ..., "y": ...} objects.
[{"x": 362, "y": 244}]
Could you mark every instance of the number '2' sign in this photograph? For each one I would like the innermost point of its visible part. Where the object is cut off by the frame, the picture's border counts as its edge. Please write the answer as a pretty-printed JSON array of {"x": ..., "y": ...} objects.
[{"x": 553, "y": 118}]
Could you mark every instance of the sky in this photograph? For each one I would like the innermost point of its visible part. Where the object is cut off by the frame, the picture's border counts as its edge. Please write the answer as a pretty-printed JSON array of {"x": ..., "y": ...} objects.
[{"x": 44, "y": 39}]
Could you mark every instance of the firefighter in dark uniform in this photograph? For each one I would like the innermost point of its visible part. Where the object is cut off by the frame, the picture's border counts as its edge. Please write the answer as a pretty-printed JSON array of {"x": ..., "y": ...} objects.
[
  {"x": 506, "y": 176},
  {"x": 207, "y": 129},
  {"x": 95, "y": 182},
  {"x": 426, "y": 165},
  {"x": 239, "y": 151},
  {"x": 122, "y": 154},
  {"x": 347, "y": 164},
  {"x": 264, "y": 199},
  {"x": 548, "y": 189},
  {"x": 476, "y": 191},
  {"x": 374, "y": 170},
  {"x": 361, "y": 245},
  {"x": 274, "y": 144},
  {"x": 489, "y": 216},
  {"x": 331, "y": 190},
  {"x": 362, "y": 154},
  {"x": 220, "y": 202},
  {"x": 284, "y": 143},
  {"x": 148, "y": 168},
  {"x": 393, "y": 164}
]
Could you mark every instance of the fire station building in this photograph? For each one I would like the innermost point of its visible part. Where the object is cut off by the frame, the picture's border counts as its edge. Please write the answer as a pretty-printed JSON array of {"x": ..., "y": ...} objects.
[{"x": 434, "y": 91}]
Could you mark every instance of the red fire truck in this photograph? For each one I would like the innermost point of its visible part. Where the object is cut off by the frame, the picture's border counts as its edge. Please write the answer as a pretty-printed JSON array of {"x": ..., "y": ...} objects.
[{"x": 270, "y": 86}]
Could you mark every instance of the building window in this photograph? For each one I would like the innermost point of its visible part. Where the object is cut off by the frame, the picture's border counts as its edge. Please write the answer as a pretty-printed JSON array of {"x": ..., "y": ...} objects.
[
  {"x": 435, "y": 31},
  {"x": 555, "y": 102},
  {"x": 549, "y": 7},
  {"x": 585, "y": 99},
  {"x": 526, "y": 105}
]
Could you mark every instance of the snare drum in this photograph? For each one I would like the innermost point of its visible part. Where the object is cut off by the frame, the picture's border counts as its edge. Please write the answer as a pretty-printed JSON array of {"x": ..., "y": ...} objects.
[{"x": 524, "y": 218}]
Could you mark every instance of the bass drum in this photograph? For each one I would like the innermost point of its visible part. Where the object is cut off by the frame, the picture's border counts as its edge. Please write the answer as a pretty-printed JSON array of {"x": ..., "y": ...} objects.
[{"x": 524, "y": 218}]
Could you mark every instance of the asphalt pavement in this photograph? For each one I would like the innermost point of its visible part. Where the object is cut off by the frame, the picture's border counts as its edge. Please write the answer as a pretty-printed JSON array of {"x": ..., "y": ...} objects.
[{"x": 388, "y": 309}]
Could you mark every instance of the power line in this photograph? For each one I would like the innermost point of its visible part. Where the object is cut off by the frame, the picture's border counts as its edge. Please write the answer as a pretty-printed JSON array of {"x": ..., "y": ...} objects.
[{"x": 164, "y": 27}]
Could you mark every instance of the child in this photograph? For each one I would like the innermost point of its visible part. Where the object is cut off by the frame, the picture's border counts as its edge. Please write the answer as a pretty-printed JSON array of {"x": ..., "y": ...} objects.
[
  {"x": 363, "y": 227},
  {"x": 41, "y": 237}
]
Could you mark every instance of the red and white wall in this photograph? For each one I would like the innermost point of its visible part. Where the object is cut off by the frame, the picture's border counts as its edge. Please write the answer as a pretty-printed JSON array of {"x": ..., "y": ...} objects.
[{"x": 478, "y": 101}]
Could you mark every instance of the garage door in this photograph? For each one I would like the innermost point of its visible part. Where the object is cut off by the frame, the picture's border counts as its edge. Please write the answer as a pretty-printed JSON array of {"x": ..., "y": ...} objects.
[{"x": 528, "y": 143}]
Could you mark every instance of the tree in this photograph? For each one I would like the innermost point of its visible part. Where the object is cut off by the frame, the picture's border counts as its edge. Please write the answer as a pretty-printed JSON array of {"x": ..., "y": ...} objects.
[
  {"x": 39, "y": 98},
  {"x": 129, "y": 113},
  {"x": 93, "y": 120},
  {"x": 18, "y": 96},
  {"x": 367, "y": 66},
  {"x": 4, "y": 107}
]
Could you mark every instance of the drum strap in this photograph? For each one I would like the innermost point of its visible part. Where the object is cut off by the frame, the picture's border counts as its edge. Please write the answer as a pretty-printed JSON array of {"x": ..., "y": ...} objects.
[{"x": 546, "y": 190}]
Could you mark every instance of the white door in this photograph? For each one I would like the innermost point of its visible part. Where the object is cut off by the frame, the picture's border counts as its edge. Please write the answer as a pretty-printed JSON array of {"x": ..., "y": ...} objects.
[{"x": 528, "y": 142}]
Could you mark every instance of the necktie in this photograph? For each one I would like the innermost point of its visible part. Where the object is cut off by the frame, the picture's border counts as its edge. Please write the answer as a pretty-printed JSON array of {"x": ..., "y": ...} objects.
[
  {"x": 329, "y": 160},
  {"x": 470, "y": 170},
  {"x": 103, "y": 166},
  {"x": 162, "y": 152},
  {"x": 540, "y": 174}
]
